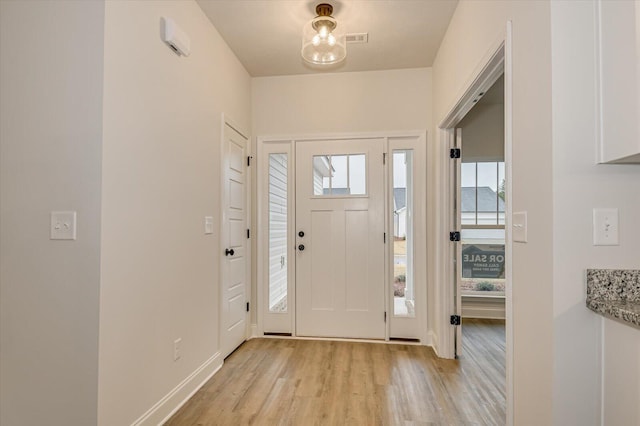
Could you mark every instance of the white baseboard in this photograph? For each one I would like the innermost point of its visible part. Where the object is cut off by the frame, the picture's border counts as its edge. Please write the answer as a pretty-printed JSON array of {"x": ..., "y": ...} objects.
[
  {"x": 432, "y": 340},
  {"x": 254, "y": 331},
  {"x": 171, "y": 402}
]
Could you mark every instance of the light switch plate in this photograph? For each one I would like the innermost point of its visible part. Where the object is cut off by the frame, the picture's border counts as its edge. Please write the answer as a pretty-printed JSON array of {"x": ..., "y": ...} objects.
[
  {"x": 519, "y": 224},
  {"x": 208, "y": 225},
  {"x": 605, "y": 227},
  {"x": 63, "y": 225}
]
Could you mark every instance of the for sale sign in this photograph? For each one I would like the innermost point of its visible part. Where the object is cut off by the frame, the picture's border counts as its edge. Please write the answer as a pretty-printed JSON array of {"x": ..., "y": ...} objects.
[{"x": 483, "y": 260}]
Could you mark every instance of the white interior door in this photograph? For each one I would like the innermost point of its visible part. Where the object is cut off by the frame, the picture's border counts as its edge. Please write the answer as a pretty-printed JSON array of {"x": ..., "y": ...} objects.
[
  {"x": 340, "y": 276},
  {"x": 234, "y": 264}
]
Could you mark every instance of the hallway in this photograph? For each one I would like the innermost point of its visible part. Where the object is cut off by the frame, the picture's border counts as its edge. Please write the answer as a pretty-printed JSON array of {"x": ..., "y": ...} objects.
[{"x": 278, "y": 381}]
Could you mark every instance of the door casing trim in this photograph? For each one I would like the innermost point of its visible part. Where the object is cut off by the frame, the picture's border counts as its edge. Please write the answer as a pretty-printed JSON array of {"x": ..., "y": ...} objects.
[{"x": 262, "y": 243}]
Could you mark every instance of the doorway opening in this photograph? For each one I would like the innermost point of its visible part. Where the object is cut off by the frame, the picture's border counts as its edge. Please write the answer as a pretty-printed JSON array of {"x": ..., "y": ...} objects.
[{"x": 496, "y": 64}]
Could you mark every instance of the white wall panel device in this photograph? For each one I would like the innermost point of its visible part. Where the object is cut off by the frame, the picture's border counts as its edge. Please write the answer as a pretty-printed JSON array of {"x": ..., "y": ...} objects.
[{"x": 177, "y": 39}]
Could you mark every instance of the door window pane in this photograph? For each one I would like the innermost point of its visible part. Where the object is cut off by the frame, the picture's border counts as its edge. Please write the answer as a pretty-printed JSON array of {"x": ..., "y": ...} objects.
[
  {"x": 357, "y": 174},
  {"x": 403, "y": 283},
  {"x": 278, "y": 179},
  {"x": 337, "y": 175}
]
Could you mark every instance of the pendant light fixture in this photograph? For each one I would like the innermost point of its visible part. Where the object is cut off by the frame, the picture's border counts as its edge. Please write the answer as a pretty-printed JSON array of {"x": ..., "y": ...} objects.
[{"x": 323, "y": 43}]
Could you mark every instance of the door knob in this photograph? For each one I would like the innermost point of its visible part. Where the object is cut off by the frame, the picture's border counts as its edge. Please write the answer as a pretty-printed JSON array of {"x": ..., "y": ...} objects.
[
  {"x": 228, "y": 252},
  {"x": 301, "y": 234},
  {"x": 301, "y": 247}
]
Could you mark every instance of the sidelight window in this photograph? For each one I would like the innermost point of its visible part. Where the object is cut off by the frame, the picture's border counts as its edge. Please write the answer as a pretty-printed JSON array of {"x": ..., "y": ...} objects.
[
  {"x": 278, "y": 232},
  {"x": 403, "y": 273}
]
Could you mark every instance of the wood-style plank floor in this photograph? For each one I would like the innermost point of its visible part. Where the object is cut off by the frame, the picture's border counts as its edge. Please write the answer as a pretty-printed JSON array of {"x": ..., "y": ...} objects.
[{"x": 306, "y": 382}]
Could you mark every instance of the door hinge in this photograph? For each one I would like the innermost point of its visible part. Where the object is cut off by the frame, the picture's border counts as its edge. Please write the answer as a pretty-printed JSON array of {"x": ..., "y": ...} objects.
[
  {"x": 247, "y": 306},
  {"x": 384, "y": 158},
  {"x": 248, "y": 233},
  {"x": 454, "y": 236},
  {"x": 249, "y": 161},
  {"x": 454, "y": 153},
  {"x": 455, "y": 319},
  {"x": 384, "y": 238},
  {"x": 385, "y": 316}
]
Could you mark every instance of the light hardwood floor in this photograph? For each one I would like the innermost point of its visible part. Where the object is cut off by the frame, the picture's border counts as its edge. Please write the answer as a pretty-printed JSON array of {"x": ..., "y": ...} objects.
[{"x": 306, "y": 382}]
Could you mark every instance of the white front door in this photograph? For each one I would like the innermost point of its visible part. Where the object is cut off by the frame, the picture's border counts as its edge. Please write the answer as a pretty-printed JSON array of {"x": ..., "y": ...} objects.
[
  {"x": 234, "y": 240},
  {"x": 340, "y": 277}
]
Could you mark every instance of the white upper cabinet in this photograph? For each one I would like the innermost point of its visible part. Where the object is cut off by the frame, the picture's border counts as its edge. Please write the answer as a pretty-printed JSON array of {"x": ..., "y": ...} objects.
[{"x": 618, "y": 39}]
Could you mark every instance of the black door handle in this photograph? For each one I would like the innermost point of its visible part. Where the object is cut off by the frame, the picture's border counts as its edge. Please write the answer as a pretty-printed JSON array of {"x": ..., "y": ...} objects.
[
  {"x": 301, "y": 247},
  {"x": 301, "y": 234},
  {"x": 228, "y": 252}
]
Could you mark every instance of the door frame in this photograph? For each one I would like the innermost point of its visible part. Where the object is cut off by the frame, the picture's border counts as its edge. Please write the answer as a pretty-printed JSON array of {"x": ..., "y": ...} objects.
[
  {"x": 262, "y": 223},
  {"x": 225, "y": 120},
  {"x": 497, "y": 60}
]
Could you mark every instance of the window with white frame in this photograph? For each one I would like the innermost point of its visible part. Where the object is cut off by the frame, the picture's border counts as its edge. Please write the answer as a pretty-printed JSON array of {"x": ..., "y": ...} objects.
[{"x": 483, "y": 237}]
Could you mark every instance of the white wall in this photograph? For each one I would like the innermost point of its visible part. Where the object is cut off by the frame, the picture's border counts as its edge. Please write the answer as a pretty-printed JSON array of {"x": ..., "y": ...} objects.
[
  {"x": 50, "y": 149},
  {"x": 579, "y": 186},
  {"x": 475, "y": 29},
  {"x": 160, "y": 273},
  {"x": 342, "y": 103}
]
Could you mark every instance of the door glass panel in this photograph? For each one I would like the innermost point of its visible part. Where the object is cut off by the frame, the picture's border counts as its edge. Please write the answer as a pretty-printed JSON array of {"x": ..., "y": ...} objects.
[
  {"x": 403, "y": 283},
  {"x": 278, "y": 180},
  {"x": 357, "y": 174},
  {"x": 335, "y": 175},
  {"x": 340, "y": 177}
]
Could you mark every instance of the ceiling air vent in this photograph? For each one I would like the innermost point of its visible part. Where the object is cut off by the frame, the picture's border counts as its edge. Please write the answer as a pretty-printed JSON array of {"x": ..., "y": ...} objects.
[{"x": 358, "y": 38}]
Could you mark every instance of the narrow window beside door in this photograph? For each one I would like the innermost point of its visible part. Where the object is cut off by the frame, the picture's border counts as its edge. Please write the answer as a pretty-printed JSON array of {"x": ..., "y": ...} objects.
[
  {"x": 403, "y": 273},
  {"x": 278, "y": 233}
]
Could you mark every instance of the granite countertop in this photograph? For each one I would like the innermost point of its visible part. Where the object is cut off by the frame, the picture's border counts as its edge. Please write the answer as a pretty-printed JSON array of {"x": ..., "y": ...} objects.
[{"x": 615, "y": 293}]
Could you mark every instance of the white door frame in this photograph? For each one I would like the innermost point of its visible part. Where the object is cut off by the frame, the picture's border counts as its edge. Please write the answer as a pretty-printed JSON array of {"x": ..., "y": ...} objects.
[
  {"x": 280, "y": 322},
  {"x": 225, "y": 120},
  {"x": 262, "y": 221},
  {"x": 497, "y": 60}
]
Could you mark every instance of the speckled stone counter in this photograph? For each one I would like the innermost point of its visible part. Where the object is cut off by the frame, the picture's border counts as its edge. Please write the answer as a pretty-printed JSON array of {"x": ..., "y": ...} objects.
[{"x": 615, "y": 293}]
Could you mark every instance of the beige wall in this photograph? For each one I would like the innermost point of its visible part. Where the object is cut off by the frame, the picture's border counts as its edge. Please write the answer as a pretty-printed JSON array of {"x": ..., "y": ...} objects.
[
  {"x": 579, "y": 186},
  {"x": 342, "y": 102},
  {"x": 475, "y": 28},
  {"x": 50, "y": 151},
  {"x": 483, "y": 133},
  {"x": 160, "y": 273}
]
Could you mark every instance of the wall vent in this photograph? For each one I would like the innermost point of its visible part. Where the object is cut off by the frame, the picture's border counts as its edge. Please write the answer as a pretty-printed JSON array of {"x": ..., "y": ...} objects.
[{"x": 358, "y": 38}]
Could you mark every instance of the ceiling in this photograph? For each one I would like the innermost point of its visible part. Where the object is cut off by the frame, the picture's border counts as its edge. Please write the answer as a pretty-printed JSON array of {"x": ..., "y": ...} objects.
[{"x": 266, "y": 35}]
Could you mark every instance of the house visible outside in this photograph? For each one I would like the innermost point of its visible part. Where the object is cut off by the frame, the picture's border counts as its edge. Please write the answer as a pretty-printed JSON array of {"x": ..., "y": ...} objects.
[{"x": 482, "y": 209}]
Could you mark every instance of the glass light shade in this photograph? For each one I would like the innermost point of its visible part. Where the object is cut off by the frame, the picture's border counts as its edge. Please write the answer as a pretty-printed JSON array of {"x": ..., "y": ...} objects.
[{"x": 323, "y": 41}]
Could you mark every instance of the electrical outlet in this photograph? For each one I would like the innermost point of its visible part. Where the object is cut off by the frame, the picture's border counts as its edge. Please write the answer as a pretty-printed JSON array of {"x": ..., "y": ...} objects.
[
  {"x": 605, "y": 227},
  {"x": 177, "y": 354}
]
